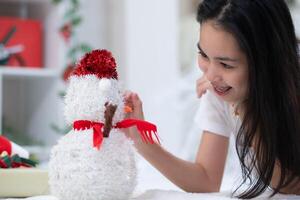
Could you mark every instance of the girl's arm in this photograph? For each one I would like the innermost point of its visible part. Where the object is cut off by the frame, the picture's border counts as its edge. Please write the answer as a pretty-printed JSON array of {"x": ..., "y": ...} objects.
[{"x": 203, "y": 175}]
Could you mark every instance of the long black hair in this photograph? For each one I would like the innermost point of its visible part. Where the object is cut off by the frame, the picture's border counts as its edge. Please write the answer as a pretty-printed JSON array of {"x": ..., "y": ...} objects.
[{"x": 271, "y": 123}]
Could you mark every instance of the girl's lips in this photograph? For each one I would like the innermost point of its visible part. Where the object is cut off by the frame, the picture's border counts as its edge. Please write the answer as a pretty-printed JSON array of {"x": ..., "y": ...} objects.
[{"x": 221, "y": 90}]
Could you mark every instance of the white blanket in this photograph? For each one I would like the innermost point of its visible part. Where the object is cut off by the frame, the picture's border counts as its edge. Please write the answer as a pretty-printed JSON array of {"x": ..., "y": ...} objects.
[
  {"x": 177, "y": 195},
  {"x": 153, "y": 186}
]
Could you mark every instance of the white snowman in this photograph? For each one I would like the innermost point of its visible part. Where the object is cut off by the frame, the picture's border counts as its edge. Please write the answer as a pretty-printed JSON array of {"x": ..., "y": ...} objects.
[{"x": 95, "y": 160}]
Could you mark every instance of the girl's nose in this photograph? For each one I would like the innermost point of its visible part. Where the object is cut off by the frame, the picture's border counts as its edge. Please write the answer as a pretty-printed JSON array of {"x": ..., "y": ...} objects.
[{"x": 211, "y": 73}]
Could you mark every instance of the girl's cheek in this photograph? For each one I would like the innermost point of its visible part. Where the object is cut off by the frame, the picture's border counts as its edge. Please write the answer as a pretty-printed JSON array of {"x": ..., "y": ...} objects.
[{"x": 202, "y": 64}]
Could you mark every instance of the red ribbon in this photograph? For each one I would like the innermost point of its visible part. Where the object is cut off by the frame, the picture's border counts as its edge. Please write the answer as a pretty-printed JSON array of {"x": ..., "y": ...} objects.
[
  {"x": 5, "y": 145},
  {"x": 97, "y": 130},
  {"x": 145, "y": 129}
]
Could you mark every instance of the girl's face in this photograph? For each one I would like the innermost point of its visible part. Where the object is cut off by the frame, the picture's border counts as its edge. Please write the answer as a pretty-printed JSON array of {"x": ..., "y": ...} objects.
[{"x": 223, "y": 63}]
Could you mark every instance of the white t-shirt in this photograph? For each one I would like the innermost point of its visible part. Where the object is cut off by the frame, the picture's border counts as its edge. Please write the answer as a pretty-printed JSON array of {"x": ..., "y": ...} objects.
[{"x": 217, "y": 116}]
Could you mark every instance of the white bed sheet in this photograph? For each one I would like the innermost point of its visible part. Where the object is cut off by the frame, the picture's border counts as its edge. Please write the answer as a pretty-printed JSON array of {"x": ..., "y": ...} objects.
[
  {"x": 153, "y": 186},
  {"x": 177, "y": 195}
]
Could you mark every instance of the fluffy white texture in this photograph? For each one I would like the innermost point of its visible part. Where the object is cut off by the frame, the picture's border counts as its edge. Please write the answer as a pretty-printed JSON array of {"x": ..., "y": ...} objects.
[
  {"x": 87, "y": 95},
  {"x": 79, "y": 172},
  {"x": 105, "y": 85}
]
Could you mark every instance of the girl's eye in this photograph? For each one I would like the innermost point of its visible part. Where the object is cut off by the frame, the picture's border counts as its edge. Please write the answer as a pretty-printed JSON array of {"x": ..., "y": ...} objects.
[
  {"x": 226, "y": 66},
  {"x": 202, "y": 54}
]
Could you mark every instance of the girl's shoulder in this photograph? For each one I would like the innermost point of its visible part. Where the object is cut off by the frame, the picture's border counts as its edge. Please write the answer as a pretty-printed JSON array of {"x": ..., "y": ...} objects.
[
  {"x": 216, "y": 114},
  {"x": 216, "y": 104}
]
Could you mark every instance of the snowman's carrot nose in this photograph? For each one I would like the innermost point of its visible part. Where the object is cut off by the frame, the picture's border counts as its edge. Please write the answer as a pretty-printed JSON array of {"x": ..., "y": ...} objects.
[{"x": 127, "y": 109}]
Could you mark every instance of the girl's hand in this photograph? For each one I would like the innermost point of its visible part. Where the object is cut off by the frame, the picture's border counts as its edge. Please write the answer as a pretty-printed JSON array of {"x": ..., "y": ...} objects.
[
  {"x": 132, "y": 100},
  {"x": 202, "y": 85}
]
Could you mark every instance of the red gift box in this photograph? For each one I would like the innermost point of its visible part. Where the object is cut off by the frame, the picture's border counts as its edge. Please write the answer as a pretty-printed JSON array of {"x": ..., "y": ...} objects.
[{"x": 28, "y": 36}]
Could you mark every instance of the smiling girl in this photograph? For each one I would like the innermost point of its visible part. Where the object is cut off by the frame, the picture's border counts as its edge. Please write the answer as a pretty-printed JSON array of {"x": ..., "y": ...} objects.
[{"x": 250, "y": 88}]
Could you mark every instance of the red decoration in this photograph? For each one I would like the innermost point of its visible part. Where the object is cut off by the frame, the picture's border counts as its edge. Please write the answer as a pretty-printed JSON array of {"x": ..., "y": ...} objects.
[
  {"x": 3, "y": 164},
  {"x": 145, "y": 129},
  {"x": 12, "y": 161},
  {"x": 98, "y": 62},
  {"x": 66, "y": 31},
  {"x": 5, "y": 145},
  {"x": 68, "y": 72},
  {"x": 28, "y": 34},
  {"x": 15, "y": 161}
]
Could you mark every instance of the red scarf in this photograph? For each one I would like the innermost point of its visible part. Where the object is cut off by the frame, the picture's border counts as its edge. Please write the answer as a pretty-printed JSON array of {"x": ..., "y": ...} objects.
[{"x": 145, "y": 129}]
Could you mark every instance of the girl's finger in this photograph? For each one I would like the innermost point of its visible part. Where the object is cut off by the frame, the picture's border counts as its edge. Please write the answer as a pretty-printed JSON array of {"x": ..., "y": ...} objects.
[{"x": 202, "y": 86}]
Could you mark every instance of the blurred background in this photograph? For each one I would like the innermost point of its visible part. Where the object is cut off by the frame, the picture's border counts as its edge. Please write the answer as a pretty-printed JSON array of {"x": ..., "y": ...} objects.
[{"x": 154, "y": 43}]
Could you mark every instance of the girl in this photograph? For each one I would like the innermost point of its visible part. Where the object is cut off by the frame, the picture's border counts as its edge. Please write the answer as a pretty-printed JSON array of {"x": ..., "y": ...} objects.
[{"x": 250, "y": 88}]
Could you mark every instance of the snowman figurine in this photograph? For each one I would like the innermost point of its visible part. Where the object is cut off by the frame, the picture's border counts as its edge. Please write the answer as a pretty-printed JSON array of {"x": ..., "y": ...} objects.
[{"x": 95, "y": 160}]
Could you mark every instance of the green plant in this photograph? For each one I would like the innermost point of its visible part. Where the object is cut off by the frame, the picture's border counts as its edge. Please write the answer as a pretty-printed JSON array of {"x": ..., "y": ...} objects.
[{"x": 71, "y": 22}]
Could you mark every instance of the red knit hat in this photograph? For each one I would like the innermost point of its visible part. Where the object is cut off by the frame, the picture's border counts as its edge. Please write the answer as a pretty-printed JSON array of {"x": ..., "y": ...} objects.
[{"x": 98, "y": 62}]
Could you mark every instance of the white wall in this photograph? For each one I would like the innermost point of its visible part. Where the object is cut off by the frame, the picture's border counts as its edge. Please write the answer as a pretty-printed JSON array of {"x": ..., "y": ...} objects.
[
  {"x": 93, "y": 29},
  {"x": 144, "y": 35},
  {"x": 48, "y": 105}
]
